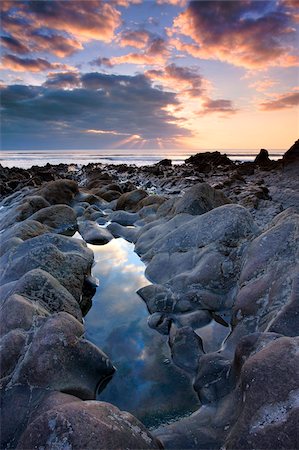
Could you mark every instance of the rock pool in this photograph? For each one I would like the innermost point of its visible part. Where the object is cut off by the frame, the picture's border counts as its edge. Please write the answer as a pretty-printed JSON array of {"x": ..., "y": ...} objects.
[{"x": 146, "y": 382}]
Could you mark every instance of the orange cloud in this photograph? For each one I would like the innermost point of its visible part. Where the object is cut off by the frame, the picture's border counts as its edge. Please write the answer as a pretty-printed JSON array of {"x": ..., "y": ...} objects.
[
  {"x": 284, "y": 101},
  {"x": 263, "y": 85},
  {"x": 156, "y": 53},
  {"x": 242, "y": 33},
  {"x": 223, "y": 106},
  {"x": 181, "y": 79},
  {"x": 138, "y": 39}
]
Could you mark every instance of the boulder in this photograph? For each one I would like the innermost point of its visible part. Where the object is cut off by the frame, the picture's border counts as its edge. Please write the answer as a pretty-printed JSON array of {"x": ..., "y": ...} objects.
[
  {"x": 199, "y": 199},
  {"x": 93, "y": 233},
  {"x": 20, "y": 212},
  {"x": 60, "y": 218},
  {"x": 59, "y": 191},
  {"x": 262, "y": 159},
  {"x": 129, "y": 201},
  {"x": 292, "y": 155},
  {"x": 124, "y": 218},
  {"x": 87, "y": 425},
  {"x": 60, "y": 358}
]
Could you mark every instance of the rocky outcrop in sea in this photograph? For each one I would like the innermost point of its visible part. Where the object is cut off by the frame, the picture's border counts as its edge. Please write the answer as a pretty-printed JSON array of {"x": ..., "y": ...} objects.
[{"x": 220, "y": 244}]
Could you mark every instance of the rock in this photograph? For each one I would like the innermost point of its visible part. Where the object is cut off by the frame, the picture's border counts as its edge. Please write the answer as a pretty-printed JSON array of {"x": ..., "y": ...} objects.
[
  {"x": 165, "y": 163},
  {"x": 199, "y": 199},
  {"x": 11, "y": 348},
  {"x": 151, "y": 200},
  {"x": 18, "y": 312},
  {"x": 186, "y": 348},
  {"x": 61, "y": 218},
  {"x": 292, "y": 155},
  {"x": 41, "y": 287},
  {"x": 214, "y": 378},
  {"x": 129, "y": 201},
  {"x": 9, "y": 244},
  {"x": 268, "y": 283},
  {"x": 268, "y": 411},
  {"x": 157, "y": 297},
  {"x": 104, "y": 427},
  {"x": 262, "y": 159},
  {"x": 124, "y": 218},
  {"x": 128, "y": 233},
  {"x": 207, "y": 160},
  {"x": 228, "y": 225},
  {"x": 66, "y": 259},
  {"x": 59, "y": 358},
  {"x": 110, "y": 195},
  {"x": 59, "y": 191},
  {"x": 22, "y": 211},
  {"x": 93, "y": 233},
  {"x": 24, "y": 230}
]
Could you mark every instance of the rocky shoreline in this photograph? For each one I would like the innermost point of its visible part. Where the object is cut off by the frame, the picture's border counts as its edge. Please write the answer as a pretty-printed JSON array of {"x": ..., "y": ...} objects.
[{"x": 220, "y": 244}]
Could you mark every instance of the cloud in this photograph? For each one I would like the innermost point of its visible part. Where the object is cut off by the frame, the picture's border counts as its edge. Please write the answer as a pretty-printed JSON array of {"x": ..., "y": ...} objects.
[
  {"x": 181, "y": 79},
  {"x": 62, "y": 80},
  {"x": 284, "y": 101},
  {"x": 225, "y": 107},
  {"x": 263, "y": 85},
  {"x": 58, "y": 27},
  {"x": 14, "y": 45},
  {"x": 87, "y": 20},
  {"x": 137, "y": 39},
  {"x": 172, "y": 2},
  {"x": 45, "y": 116},
  {"x": 250, "y": 34},
  {"x": 18, "y": 64},
  {"x": 156, "y": 53}
]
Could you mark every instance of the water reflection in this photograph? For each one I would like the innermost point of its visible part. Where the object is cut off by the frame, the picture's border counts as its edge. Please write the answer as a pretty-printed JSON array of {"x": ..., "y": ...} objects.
[{"x": 146, "y": 383}]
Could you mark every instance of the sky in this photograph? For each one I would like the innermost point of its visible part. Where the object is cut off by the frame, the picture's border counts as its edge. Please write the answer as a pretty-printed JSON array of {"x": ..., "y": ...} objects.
[{"x": 154, "y": 74}]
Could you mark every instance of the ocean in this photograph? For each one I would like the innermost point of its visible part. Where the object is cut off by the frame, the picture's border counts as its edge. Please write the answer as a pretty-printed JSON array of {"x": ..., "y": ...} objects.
[{"x": 26, "y": 159}]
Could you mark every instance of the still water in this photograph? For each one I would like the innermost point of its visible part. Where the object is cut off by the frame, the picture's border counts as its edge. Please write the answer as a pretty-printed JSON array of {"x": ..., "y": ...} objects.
[{"x": 146, "y": 383}]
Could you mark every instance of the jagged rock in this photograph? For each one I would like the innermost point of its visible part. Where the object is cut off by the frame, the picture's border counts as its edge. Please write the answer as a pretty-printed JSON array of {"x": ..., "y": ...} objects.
[
  {"x": 262, "y": 159},
  {"x": 207, "y": 160},
  {"x": 292, "y": 154}
]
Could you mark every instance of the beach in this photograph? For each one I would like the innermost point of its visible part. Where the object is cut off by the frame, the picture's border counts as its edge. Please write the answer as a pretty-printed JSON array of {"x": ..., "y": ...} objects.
[{"x": 203, "y": 355}]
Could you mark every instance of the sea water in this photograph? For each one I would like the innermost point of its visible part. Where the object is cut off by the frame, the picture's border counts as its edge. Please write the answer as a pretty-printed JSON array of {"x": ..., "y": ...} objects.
[
  {"x": 26, "y": 159},
  {"x": 146, "y": 382}
]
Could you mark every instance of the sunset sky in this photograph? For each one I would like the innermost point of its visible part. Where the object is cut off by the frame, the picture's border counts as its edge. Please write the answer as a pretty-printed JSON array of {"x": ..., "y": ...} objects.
[{"x": 149, "y": 74}]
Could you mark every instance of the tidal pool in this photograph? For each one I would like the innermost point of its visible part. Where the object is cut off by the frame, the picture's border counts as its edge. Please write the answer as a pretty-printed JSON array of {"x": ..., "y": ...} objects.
[{"x": 146, "y": 382}]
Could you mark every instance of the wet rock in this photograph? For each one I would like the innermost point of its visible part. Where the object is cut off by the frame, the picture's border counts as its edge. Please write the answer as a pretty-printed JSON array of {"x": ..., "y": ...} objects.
[
  {"x": 186, "y": 348},
  {"x": 129, "y": 201},
  {"x": 214, "y": 378},
  {"x": 128, "y": 233},
  {"x": 41, "y": 287},
  {"x": 227, "y": 225},
  {"x": 124, "y": 218},
  {"x": 66, "y": 259},
  {"x": 268, "y": 411},
  {"x": 11, "y": 348},
  {"x": 157, "y": 298},
  {"x": 9, "y": 244},
  {"x": 93, "y": 233},
  {"x": 200, "y": 199},
  {"x": 268, "y": 283},
  {"x": 59, "y": 191},
  {"x": 105, "y": 427},
  {"x": 22, "y": 211},
  {"x": 59, "y": 358},
  {"x": 18, "y": 312},
  {"x": 24, "y": 230},
  {"x": 60, "y": 218}
]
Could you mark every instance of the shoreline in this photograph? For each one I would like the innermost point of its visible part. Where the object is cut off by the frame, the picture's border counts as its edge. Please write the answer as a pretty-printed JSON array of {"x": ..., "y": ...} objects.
[{"x": 220, "y": 245}]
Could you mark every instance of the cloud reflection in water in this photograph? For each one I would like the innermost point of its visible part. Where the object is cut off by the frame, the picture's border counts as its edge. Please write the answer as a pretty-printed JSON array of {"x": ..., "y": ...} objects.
[{"x": 146, "y": 383}]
